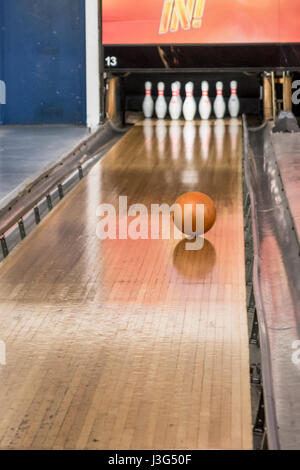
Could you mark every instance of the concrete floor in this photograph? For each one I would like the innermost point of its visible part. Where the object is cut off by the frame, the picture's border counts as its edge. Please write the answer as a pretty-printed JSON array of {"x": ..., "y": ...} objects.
[{"x": 26, "y": 151}]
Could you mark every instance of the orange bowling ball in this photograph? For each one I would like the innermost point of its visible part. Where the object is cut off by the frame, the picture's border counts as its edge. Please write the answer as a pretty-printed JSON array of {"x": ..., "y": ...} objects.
[{"x": 193, "y": 199}]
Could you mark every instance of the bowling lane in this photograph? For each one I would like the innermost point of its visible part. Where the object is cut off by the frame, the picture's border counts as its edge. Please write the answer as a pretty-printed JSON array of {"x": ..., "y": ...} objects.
[{"x": 123, "y": 344}]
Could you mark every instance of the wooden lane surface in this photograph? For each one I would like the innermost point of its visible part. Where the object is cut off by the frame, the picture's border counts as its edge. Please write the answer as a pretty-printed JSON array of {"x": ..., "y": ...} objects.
[{"x": 123, "y": 344}]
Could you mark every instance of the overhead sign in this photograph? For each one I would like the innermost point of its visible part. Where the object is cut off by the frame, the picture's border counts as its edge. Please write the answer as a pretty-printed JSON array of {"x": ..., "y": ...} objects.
[{"x": 134, "y": 22}]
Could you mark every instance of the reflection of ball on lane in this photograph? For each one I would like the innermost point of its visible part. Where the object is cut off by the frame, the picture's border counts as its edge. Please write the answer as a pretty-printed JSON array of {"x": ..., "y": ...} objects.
[
  {"x": 188, "y": 203},
  {"x": 194, "y": 264}
]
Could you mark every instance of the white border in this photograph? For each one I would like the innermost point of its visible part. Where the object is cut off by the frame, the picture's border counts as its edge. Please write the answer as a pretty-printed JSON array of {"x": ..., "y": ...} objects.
[{"x": 92, "y": 64}]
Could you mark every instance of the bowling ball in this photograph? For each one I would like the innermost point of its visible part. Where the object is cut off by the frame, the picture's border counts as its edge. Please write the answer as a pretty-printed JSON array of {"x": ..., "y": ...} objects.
[{"x": 192, "y": 199}]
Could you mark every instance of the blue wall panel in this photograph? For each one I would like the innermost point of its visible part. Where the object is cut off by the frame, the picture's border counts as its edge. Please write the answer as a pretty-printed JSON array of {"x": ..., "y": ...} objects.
[{"x": 42, "y": 48}]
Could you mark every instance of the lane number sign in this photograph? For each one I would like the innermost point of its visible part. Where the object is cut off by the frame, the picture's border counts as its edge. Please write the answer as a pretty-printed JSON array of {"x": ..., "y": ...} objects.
[{"x": 111, "y": 61}]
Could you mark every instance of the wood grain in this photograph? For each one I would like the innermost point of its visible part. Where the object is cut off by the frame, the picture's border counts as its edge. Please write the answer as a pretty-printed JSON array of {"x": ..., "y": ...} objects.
[{"x": 123, "y": 344}]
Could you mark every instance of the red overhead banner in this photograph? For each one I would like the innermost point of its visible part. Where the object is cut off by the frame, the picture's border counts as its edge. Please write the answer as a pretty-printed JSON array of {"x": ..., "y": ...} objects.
[{"x": 201, "y": 21}]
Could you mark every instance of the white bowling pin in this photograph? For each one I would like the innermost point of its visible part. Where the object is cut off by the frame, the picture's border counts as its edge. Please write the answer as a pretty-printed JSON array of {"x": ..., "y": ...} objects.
[
  {"x": 161, "y": 104},
  {"x": 175, "y": 105},
  {"x": 205, "y": 104},
  {"x": 189, "y": 105},
  {"x": 179, "y": 94},
  {"x": 219, "y": 103},
  {"x": 148, "y": 103},
  {"x": 234, "y": 102}
]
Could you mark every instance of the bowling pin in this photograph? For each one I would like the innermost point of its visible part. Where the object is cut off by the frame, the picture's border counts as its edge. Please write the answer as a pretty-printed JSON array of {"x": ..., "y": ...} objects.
[
  {"x": 189, "y": 105},
  {"x": 234, "y": 102},
  {"x": 175, "y": 105},
  {"x": 219, "y": 103},
  {"x": 179, "y": 94},
  {"x": 161, "y": 104},
  {"x": 205, "y": 104},
  {"x": 148, "y": 104}
]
